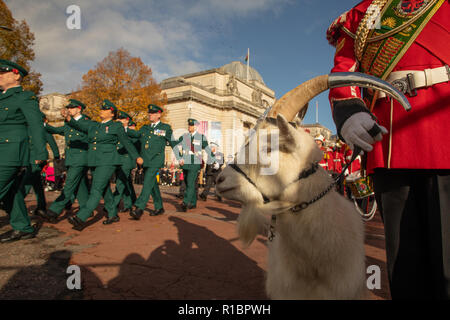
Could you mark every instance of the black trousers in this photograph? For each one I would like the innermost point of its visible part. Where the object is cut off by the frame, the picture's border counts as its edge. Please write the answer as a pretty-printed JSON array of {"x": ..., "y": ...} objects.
[
  {"x": 415, "y": 207},
  {"x": 210, "y": 181}
]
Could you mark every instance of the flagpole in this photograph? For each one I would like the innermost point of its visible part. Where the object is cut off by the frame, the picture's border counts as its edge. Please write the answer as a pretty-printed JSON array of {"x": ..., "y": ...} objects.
[
  {"x": 248, "y": 61},
  {"x": 317, "y": 112}
]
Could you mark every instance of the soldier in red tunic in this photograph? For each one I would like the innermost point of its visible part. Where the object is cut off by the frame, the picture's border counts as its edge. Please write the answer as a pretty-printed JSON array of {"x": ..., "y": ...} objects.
[
  {"x": 407, "y": 43},
  {"x": 327, "y": 160}
]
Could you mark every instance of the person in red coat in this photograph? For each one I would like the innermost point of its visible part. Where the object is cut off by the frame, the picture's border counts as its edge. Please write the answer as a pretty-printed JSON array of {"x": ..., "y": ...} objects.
[
  {"x": 338, "y": 158},
  {"x": 405, "y": 42},
  {"x": 327, "y": 161}
]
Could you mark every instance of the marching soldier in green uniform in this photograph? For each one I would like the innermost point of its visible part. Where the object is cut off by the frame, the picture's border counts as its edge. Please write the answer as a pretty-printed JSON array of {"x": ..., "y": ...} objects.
[
  {"x": 103, "y": 158},
  {"x": 192, "y": 144},
  {"x": 153, "y": 137},
  {"x": 124, "y": 190},
  {"x": 20, "y": 119},
  {"x": 137, "y": 145},
  {"x": 76, "y": 151},
  {"x": 33, "y": 175}
]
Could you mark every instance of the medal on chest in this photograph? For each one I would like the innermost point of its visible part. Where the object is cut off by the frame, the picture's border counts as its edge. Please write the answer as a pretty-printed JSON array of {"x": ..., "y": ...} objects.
[{"x": 106, "y": 129}]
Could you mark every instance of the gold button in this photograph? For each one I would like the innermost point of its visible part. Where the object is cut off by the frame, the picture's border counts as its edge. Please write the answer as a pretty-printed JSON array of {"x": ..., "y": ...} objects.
[
  {"x": 6, "y": 109},
  {"x": 95, "y": 142},
  {"x": 70, "y": 136},
  {"x": 7, "y": 140},
  {"x": 94, "y": 148}
]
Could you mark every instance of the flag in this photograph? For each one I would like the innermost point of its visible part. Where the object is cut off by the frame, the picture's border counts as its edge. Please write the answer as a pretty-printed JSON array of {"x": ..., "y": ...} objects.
[{"x": 246, "y": 58}]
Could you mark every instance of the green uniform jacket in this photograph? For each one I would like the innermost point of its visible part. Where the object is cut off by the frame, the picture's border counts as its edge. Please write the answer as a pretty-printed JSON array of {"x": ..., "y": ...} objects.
[
  {"x": 193, "y": 159},
  {"x": 127, "y": 160},
  {"x": 76, "y": 143},
  {"x": 153, "y": 143},
  {"x": 20, "y": 121},
  {"x": 103, "y": 139}
]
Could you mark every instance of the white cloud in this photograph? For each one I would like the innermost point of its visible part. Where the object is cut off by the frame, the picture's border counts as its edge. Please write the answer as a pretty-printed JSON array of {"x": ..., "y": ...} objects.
[{"x": 169, "y": 36}]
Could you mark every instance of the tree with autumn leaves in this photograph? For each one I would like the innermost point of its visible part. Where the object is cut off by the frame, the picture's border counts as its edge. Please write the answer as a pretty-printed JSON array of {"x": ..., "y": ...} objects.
[
  {"x": 17, "y": 45},
  {"x": 124, "y": 80}
]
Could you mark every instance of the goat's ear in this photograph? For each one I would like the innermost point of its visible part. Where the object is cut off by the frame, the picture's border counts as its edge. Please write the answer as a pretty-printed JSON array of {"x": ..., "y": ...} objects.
[{"x": 287, "y": 139}]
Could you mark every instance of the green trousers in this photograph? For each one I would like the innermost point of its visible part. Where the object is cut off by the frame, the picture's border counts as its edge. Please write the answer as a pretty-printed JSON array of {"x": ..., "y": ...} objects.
[
  {"x": 150, "y": 188},
  {"x": 100, "y": 188},
  {"x": 12, "y": 192},
  {"x": 124, "y": 190},
  {"x": 190, "y": 178},
  {"x": 33, "y": 179},
  {"x": 74, "y": 187}
]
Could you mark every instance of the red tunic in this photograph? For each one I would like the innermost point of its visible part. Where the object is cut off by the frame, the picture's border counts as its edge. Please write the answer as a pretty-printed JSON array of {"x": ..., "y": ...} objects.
[
  {"x": 338, "y": 159},
  {"x": 327, "y": 161},
  {"x": 417, "y": 138},
  {"x": 356, "y": 164}
]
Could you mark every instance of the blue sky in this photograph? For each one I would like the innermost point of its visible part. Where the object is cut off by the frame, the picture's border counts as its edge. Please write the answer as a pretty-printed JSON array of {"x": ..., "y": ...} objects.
[{"x": 174, "y": 37}]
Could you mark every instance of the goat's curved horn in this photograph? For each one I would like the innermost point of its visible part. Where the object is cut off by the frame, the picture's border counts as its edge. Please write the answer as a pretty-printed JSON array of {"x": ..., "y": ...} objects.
[{"x": 297, "y": 99}]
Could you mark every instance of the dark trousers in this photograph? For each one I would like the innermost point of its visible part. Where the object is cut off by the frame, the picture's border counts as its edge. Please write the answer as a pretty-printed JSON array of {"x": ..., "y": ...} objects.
[
  {"x": 210, "y": 181},
  {"x": 33, "y": 179},
  {"x": 415, "y": 207}
]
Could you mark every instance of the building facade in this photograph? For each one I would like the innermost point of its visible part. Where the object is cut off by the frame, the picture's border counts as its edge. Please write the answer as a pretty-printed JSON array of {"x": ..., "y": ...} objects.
[{"x": 227, "y": 101}]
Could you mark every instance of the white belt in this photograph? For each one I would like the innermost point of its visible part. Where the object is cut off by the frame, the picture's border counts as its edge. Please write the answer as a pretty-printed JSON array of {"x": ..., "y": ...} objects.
[{"x": 409, "y": 80}]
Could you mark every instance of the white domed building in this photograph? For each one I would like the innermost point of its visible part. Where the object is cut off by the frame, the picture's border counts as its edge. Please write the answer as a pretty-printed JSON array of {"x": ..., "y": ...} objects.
[{"x": 226, "y": 100}]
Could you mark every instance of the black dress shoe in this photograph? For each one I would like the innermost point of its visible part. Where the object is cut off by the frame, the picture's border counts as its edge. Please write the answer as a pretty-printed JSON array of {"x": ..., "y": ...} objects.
[
  {"x": 157, "y": 212},
  {"x": 48, "y": 215},
  {"x": 15, "y": 235},
  {"x": 136, "y": 213},
  {"x": 111, "y": 220},
  {"x": 75, "y": 221},
  {"x": 203, "y": 197},
  {"x": 184, "y": 207},
  {"x": 68, "y": 206},
  {"x": 124, "y": 210},
  {"x": 219, "y": 199}
]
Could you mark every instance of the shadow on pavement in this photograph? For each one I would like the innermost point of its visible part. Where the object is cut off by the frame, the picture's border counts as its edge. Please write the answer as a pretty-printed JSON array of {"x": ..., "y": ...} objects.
[
  {"x": 201, "y": 266},
  {"x": 47, "y": 281},
  {"x": 228, "y": 215}
]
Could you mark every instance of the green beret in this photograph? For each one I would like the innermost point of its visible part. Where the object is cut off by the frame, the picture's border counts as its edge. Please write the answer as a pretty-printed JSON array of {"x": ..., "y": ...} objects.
[
  {"x": 123, "y": 115},
  {"x": 192, "y": 122},
  {"x": 75, "y": 104},
  {"x": 108, "y": 105},
  {"x": 153, "y": 108},
  {"x": 8, "y": 66}
]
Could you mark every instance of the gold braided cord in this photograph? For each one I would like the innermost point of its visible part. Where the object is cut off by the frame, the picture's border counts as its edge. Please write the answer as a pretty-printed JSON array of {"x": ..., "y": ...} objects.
[
  {"x": 349, "y": 33},
  {"x": 363, "y": 29}
]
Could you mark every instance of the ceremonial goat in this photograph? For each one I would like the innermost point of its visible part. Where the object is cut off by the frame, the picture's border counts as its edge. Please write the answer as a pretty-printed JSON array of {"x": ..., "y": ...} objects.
[{"x": 317, "y": 237}]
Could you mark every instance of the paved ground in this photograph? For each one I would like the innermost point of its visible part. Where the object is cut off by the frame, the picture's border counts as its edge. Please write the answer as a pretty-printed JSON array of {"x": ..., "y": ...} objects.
[{"x": 193, "y": 255}]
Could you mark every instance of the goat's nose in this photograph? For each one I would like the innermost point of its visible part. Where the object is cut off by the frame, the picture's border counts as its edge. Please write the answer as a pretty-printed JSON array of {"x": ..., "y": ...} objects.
[{"x": 220, "y": 179}]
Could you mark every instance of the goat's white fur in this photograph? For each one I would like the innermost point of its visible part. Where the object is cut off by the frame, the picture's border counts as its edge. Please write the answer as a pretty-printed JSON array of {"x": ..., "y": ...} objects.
[{"x": 316, "y": 254}]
